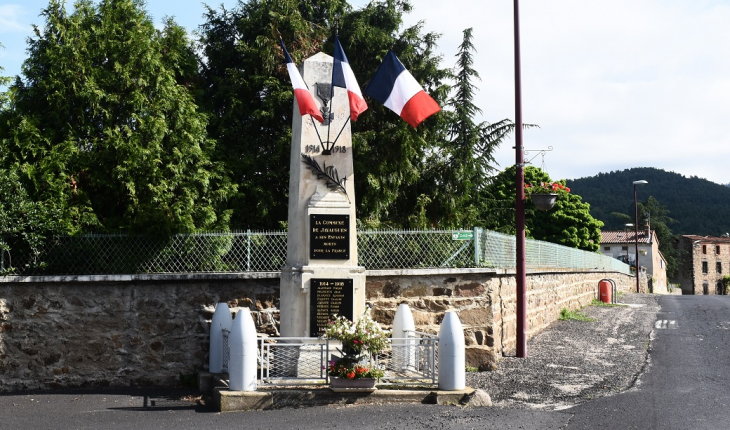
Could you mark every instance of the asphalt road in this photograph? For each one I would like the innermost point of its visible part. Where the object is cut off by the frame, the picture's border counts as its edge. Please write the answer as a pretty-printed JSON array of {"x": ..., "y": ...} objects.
[
  {"x": 684, "y": 386},
  {"x": 687, "y": 380}
]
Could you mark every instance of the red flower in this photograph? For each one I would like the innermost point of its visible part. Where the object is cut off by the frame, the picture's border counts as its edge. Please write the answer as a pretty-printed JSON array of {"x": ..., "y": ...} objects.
[{"x": 351, "y": 375}]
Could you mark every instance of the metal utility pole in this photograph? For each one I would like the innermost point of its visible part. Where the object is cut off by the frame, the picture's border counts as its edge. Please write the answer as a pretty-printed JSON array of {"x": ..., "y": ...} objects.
[{"x": 520, "y": 275}]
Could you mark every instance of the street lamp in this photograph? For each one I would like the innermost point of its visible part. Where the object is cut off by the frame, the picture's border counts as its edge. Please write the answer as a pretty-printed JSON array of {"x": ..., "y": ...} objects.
[
  {"x": 520, "y": 271},
  {"x": 636, "y": 231}
]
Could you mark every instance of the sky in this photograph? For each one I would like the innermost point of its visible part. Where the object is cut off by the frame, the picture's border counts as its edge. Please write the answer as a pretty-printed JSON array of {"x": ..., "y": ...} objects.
[{"x": 611, "y": 85}]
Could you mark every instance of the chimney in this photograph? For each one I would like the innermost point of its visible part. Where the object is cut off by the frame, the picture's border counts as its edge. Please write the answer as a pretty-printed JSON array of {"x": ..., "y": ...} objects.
[{"x": 648, "y": 232}]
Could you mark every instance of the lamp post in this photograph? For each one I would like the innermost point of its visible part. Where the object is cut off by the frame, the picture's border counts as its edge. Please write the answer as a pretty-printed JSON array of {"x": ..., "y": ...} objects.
[
  {"x": 520, "y": 275},
  {"x": 636, "y": 231}
]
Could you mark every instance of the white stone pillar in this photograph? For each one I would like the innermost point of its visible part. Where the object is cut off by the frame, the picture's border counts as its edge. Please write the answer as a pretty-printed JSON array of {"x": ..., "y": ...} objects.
[
  {"x": 452, "y": 354},
  {"x": 314, "y": 198},
  {"x": 243, "y": 349},
  {"x": 221, "y": 320},
  {"x": 404, "y": 350}
]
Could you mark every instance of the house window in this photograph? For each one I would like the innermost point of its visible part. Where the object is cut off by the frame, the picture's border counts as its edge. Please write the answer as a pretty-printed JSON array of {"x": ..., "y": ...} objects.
[
  {"x": 704, "y": 249},
  {"x": 661, "y": 264},
  {"x": 704, "y": 267},
  {"x": 717, "y": 250},
  {"x": 718, "y": 267},
  {"x": 606, "y": 248}
]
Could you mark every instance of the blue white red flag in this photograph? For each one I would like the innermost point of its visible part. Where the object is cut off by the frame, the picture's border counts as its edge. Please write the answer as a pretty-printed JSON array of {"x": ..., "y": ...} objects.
[
  {"x": 305, "y": 101},
  {"x": 343, "y": 77},
  {"x": 398, "y": 90}
]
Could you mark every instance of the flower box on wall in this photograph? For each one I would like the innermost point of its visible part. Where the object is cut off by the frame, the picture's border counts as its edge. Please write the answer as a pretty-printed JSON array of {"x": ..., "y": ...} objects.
[{"x": 357, "y": 385}]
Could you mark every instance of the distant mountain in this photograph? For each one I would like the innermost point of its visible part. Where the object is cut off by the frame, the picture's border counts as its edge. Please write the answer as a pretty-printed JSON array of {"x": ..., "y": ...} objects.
[{"x": 700, "y": 207}]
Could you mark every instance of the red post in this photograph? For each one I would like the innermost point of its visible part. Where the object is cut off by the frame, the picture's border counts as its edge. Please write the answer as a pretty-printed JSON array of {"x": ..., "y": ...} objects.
[{"x": 520, "y": 275}]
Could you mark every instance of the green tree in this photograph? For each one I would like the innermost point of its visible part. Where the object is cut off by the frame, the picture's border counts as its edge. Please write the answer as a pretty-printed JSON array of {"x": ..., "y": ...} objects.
[
  {"x": 568, "y": 223},
  {"x": 100, "y": 120},
  {"x": 4, "y": 81},
  {"x": 25, "y": 225},
  {"x": 459, "y": 169},
  {"x": 657, "y": 216},
  {"x": 248, "y": 93}
]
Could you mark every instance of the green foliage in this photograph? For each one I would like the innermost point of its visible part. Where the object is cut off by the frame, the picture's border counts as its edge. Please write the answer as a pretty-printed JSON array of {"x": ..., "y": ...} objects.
[
  {"x": 698, "y": 205},
  {"x": 658, "y": 216},
  {"x": 568, "y": 315},
  {"x": 455, "y": 174},
  {"x": 100, "y": 121},
  {"x": 25, "y": 225},
  {"x": 119, "y": 126},
  {"x": 248, "y": 93},
  {"x": 568, "y": 223}
]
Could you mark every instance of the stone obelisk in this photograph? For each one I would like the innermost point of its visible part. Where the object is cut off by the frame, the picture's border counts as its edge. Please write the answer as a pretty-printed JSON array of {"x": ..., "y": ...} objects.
[{"x": 321, "y": 276}]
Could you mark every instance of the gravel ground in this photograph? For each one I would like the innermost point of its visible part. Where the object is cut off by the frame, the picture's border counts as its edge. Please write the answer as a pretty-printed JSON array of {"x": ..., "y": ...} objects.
[{"x": 574, "y": 361}]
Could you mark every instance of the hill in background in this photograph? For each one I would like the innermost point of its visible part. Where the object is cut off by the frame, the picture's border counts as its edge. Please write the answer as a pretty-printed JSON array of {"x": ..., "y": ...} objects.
[{"x": 700, "y": 207}]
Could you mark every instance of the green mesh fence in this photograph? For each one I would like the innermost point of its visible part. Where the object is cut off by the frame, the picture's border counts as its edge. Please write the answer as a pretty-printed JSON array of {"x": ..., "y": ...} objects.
[{"x": 266, "y": 252}]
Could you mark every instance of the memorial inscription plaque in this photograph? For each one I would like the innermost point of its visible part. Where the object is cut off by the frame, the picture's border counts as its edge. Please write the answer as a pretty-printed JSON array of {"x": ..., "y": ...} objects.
[
  {"x": 329, "y": 237},
  {"x": 329, "y": 297}
]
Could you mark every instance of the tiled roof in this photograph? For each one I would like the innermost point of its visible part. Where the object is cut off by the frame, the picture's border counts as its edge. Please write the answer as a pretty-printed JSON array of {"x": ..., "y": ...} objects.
[
  {"x": 620, "y": 236},
  {"x": 706, "y": 239}
]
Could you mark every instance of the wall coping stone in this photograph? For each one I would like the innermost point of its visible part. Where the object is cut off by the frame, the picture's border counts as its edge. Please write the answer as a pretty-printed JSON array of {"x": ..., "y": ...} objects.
[{"x": 141, "y": 277}]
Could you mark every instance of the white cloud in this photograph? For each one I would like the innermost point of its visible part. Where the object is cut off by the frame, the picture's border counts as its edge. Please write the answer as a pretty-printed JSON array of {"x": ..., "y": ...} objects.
[
  {"x": 10, "y": 18},
  {"x": 613, "y": 85}
]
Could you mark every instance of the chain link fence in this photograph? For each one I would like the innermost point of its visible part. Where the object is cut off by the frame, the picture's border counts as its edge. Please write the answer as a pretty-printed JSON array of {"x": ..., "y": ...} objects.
[{"x": 258, "y": 251}]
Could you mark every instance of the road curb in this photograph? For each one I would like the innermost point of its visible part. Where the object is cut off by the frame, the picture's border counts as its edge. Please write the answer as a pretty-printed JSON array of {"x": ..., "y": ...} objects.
[{"x": 230, "y": 401}]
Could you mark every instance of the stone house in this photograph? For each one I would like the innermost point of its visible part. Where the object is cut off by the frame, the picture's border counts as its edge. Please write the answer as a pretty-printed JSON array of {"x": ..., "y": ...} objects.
[
  {"x": 621, "y": 245},
  {"x": 704, "y": 261}
]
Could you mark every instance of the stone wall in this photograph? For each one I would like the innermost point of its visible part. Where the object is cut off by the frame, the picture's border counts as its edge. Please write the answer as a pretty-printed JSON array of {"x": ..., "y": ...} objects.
[
  {"x": 486, "y": 303},
  {"x": 149, "y": 330},
  {"x": 67, "y": 334}
]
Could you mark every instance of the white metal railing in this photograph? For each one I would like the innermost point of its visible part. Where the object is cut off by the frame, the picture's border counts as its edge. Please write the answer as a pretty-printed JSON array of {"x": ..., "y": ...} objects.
[
  {"x": 305, "y": 360},
  {"x": 410, "y": 360}
]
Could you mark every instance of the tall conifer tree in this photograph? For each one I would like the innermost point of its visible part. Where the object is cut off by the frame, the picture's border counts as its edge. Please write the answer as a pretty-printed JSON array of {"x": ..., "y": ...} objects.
[{"x": 99, "y": 124}]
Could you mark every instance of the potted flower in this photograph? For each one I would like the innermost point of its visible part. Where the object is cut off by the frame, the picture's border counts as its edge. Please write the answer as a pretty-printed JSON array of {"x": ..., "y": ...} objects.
[
  {"x": 545, "y": 194},
  {"x": 360, "y": 341}
]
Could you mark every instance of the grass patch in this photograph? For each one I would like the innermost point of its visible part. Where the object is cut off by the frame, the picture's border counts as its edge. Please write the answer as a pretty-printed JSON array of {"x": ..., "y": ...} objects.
[
  {"x": 472, "y": 369},
  {"x": 566, "y": 315},
  {"x": 597, "y": 302}
]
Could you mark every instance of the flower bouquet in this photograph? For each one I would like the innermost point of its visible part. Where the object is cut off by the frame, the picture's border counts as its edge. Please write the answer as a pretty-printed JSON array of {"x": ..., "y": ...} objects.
[
  {"x": 545, "y": 188},
  {"x": 545, "y": 194},
  {"x": 359, "y": 337}
]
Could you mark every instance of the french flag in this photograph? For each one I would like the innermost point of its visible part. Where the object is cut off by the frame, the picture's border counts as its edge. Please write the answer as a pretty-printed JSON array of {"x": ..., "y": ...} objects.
[
  {"x": 395, "y": 87},
  {"x": 304, "y": 97},
  {"x": 343, "y": 77}
]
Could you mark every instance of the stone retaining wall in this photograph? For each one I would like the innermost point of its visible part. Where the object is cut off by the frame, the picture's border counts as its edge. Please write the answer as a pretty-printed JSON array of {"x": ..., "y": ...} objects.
[
  {"x": 487, "y": 304},
  {"x": 151, "y": 330}
]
